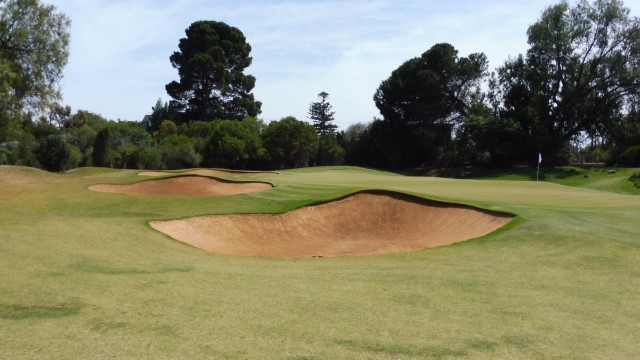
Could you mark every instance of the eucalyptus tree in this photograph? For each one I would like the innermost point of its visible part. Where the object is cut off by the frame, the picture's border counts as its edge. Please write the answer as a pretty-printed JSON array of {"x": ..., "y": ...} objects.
[
  {"x": 34, "y": 49},
  {"x": 577, "y": 78}
]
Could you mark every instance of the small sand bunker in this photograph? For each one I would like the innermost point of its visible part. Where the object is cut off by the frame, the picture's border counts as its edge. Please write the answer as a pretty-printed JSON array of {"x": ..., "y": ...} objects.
[
  {"x": 184, "y": 185},
  {"x": 208, "y": 172},
  {"x": 363, "y": 224}
]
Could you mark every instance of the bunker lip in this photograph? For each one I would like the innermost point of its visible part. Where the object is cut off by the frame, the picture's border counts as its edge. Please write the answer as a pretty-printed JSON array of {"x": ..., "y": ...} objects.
[
  {"x": 190, "y": 185},
  {"x": 364, "y": 223},
  {"x": 209, "y": 172}
]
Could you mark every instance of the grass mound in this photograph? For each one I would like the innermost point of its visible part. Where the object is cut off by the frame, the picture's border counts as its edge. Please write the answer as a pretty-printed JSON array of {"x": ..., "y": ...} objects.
[
  {"x": 20, "y": 175},
  {"x": 208, "y": 172},
  {"x": 183, "y": 185}
]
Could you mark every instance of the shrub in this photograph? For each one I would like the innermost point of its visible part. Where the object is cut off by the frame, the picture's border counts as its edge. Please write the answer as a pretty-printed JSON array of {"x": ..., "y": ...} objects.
[
  {"x": 178, "y": 152},
  {"x": 635, "y": 178},
  {"x": 100, "y": 154},
  {"x": 630, "y": 156},
  {"x": 290, "y": 142},
  {"x": 329, "y": 150},
  {"x": 235, "y": 144},
  {"x": 52, "y": 152}
]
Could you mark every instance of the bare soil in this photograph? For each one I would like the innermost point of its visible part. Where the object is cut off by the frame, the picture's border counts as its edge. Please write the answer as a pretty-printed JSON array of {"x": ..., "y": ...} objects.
[
  {"x": 184, "y": 185},
  {"x": 362, "y": 224}
]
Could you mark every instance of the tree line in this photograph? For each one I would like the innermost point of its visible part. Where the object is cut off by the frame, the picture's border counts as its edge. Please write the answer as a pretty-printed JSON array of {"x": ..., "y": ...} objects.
[
  {"x": 88, "y": 139},
  {"x": 573, "y": 96}
]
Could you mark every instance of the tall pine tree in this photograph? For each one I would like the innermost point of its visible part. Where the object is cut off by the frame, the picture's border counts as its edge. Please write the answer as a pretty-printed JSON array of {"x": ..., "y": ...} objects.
[
  {"x": 321, "y": 114},
  {"x": 211, "y": 63}
]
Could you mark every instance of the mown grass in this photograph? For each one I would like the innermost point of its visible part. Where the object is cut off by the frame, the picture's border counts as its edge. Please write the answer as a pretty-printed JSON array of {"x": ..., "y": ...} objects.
[
  {"x": 613, "y": 179},
  {"x": 84, "y": 276}
]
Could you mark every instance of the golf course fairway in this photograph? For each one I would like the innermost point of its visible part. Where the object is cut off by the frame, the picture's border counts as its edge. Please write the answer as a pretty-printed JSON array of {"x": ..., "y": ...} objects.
[{"x": 84, "y": 275}]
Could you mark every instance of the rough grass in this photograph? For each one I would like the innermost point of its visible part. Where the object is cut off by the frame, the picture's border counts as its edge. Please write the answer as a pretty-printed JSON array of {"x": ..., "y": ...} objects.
[{"x": 84, "y": 276}]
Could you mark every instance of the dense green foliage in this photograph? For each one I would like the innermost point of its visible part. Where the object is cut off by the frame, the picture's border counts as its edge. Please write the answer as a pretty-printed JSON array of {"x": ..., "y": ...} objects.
[
  {"x": 212, "y": 84},
  {"x": 432, "y": 89},
  {"x": 626, "y": 137},
  {"x": 34, "y": 48},
  {"x": 292, "y": 143},
  {"x": 100, "y": 153},
  {"x": 236, "y": 145},
  {"x": 573, "y": 97},
  {"x": 422, "y": 101},
  {"x": 330, "y": 152},
  {"x": 635, "y": 179},
  {"x": 52, "y": 152},
  {"x": 576, "y": 80},
  {"x": 87, "y": 139}
]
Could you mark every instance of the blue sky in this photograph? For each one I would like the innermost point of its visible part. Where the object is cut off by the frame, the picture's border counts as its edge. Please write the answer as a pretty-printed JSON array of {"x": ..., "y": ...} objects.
[{"x": 119, "y": 62}]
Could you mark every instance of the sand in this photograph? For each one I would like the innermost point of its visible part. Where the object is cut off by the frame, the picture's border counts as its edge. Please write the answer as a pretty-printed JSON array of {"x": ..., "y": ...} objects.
[
  {"x": 184, "y": 185},
  {"x": 208, "y": 172},
  {"x": 366, "y": 223}
]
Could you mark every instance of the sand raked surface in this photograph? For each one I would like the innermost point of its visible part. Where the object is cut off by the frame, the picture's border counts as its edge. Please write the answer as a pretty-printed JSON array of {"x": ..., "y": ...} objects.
[
  {"x": 366, "y": 223},
  {"x": 184, "y": 185},
  {"x": 208, "y": 172}
]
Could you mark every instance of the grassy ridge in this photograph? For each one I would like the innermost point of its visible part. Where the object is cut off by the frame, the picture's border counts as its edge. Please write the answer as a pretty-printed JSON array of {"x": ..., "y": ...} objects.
[{"x": 85, "y": 277}]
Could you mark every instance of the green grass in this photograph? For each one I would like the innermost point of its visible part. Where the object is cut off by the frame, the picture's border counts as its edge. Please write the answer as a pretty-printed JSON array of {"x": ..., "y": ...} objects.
[
  {"x": 590, "y": 177},
  {"x": 84, "y": 276}
]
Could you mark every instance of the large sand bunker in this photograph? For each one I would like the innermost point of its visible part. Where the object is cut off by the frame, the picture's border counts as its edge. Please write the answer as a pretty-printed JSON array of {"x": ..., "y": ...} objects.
[
  {"x": 184, "y": 185},
  {"x": 208, "y": 172},
  {"x": 363, "y": 224}
]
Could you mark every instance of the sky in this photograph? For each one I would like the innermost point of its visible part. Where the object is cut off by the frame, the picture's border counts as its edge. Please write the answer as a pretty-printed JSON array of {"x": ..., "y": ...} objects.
[{"x": 119, "y": 53}]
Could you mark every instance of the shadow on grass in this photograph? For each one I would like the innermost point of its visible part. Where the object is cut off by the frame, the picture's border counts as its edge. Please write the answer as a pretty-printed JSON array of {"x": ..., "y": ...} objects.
[
  {"x": 516, "y": 173},
  {"x": 102, "y": 325},
  {"x": 19, "y": 312},
  {"x": 106, "y": 270},
  {"x": 464, "y": 349},
  {"x": 404, "y": 350}
]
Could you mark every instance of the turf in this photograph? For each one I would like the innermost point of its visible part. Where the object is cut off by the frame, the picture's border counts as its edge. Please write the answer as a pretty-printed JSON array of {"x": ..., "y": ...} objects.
[
  {"x": 84, "y": 276},
  {"x": 617, "y": 180}
]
